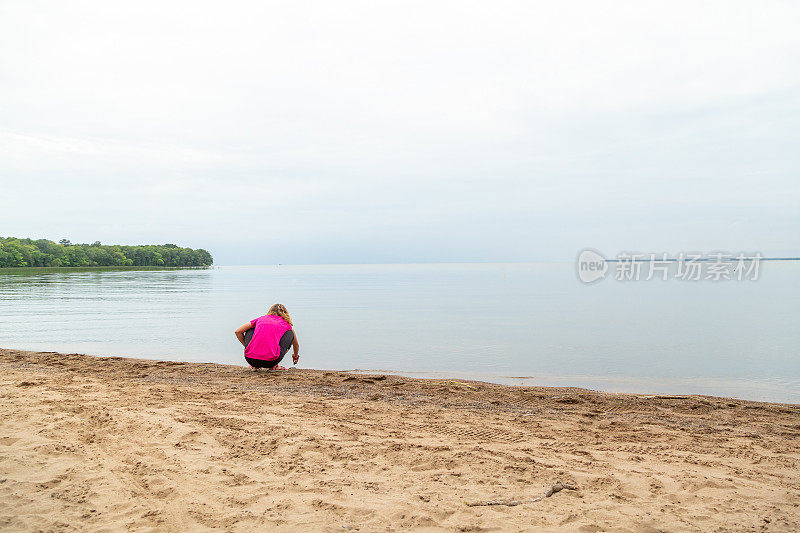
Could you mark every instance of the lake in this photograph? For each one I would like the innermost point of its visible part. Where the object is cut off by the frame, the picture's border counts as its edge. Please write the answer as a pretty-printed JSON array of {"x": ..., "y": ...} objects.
[{"x": 527, "y": 324}]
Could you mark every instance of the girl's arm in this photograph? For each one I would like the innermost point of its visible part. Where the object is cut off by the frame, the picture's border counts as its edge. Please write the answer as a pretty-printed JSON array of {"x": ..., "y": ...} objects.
[
  {"x": 240, "y": 332},
  {"x": 296, "y": 348}
]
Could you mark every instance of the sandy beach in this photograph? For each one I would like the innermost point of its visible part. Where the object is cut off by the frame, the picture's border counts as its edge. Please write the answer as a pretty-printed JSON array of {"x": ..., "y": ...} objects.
[{"x": 92, "y": 443}]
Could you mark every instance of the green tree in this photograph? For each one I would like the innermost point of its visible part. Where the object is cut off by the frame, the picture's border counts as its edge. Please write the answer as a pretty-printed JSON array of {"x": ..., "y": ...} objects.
[{"x": 16, "y": 252}]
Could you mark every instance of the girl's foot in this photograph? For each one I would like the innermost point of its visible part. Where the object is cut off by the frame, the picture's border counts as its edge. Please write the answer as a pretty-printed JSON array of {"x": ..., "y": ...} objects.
[
  {"x": 254, "y": 368},
  {"x": 278, "y": 367}
]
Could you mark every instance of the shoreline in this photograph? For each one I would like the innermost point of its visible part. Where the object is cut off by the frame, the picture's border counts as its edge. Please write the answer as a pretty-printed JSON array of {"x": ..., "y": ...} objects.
[
  {"x": 729, "y": 388},
  {"x": 110, "y": 442},
  {"x": 612, "y": 384}
]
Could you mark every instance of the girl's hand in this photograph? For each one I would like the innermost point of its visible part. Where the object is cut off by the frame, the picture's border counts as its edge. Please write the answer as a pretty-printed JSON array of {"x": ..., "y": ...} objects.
[{"x": 295, "y": 358}]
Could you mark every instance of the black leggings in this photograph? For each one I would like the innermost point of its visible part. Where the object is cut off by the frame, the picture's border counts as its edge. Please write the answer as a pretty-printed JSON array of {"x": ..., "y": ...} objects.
[{"x": 284, "y": 344}]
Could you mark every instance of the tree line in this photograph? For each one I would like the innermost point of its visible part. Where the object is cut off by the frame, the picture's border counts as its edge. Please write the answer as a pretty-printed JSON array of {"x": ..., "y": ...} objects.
[{"x": 16, "y": 252}]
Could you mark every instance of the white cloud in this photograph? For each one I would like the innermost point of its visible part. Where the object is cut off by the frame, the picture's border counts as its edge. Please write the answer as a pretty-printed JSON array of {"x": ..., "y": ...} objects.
[{"x": 347, "y": 131}]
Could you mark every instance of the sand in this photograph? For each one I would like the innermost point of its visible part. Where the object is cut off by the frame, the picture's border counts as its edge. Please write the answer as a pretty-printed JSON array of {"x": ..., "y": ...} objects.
[{"x": 92, "y": 443}]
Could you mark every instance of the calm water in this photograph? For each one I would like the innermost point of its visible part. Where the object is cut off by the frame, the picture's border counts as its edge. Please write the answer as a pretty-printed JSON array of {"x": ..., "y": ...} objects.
[{"x": 511, "y": 323}]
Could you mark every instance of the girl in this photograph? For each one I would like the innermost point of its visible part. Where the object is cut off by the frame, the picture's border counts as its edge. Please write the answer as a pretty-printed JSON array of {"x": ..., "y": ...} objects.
[{"x": 266, "y": 339}]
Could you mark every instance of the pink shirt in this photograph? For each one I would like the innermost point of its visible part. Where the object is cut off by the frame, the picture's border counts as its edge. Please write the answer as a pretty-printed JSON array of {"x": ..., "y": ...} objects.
[{"x": 266, "y": 338}]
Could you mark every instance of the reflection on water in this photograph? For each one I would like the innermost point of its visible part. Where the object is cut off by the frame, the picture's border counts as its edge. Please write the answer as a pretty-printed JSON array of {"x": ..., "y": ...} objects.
[{"x": 512, "y": 323}]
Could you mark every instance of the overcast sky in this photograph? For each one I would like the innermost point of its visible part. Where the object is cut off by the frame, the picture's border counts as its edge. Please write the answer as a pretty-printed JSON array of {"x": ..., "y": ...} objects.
[{"x": 313, "y": 132}]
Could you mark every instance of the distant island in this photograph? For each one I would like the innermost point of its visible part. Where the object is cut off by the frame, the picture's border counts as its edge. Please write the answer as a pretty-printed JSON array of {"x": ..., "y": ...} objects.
[{"x": 16, "y": 252}]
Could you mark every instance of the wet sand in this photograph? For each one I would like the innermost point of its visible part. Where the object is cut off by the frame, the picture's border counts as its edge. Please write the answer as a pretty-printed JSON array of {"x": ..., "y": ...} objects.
[{"x": 89, "y": 443}]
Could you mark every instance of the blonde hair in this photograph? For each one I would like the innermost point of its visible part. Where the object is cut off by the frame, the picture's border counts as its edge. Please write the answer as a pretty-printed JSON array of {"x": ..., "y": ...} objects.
[{"x": 280, "y": 310}]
